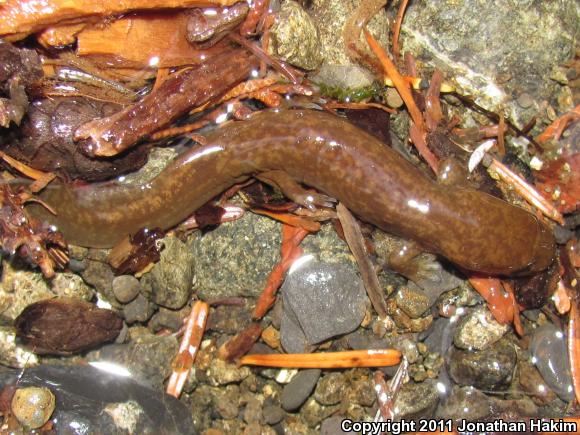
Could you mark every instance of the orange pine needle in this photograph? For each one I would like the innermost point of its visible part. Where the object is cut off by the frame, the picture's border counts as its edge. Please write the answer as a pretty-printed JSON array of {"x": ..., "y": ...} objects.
[
  {"x": 397, "y": 28},
  {"x": 41, "y": 179},
  {"x": 556, "y": 128},
  {"x": 327, "y": 360},
  {"x": 574, "y": 347},
  {"x": 289, "y": 219}
]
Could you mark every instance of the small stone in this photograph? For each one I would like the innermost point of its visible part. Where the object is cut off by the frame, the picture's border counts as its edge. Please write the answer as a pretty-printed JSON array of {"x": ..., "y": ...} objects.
[
  {"x": 71, "y": 285},
  {"x": 138, "y": 310},
  {"x": 125, "y": 415},
  {"x": 271, "y": 337},
  {"x": 330, "y": 389},
  {"x": 126, "y": 288},
  {"x": 418, "y": 373},
  {"x": 298, "y": 390},
  {"x": 98, "y": 273},
  {"x": 465, "y": 403},
  {"x": 478, "y": 330},
  {"x": 170, "y": 319},
  {"x": 417, "y": 401},
  {"x": 33, "y": 406},
  {"x": 393, "y": 98},
  {"x": 488, "y": 369},
  {"x": 273, "y": 414},
  {"x": 227, "y": 401},
  {"x": 253, "y": 411},
  {"x": 409, "y": 349},
  {"x": 222, "y": 373},
  {"x": 13, "y": 354},
  {"x": 172, "y": 277},
  {"x": 412, "y": 300},
  {"x": 333, "y": 426},
  {"x": 327, "y": 299},
  {"x": 525, "y": 100},
  {"x": 294, "y": 37}
]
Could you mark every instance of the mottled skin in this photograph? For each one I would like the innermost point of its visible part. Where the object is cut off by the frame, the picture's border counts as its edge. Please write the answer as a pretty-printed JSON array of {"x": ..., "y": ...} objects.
[{"x": 472, "y": 229}]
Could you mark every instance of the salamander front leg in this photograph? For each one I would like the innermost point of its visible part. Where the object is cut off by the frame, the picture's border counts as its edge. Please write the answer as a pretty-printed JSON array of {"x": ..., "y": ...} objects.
[{"x": 290, "y": 188}]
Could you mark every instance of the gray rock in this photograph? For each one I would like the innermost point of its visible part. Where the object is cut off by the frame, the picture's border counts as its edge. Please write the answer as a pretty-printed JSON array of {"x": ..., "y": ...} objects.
[
  {"x": 20, "y": 288},
  {"x": 222, "y": 373},
  {"x": 292, "y": 337},
  {"x": 126, "y": 288},
  {"x": 227, "y": 401},
  {"x": 71, "y": 285},
  {"x": 294, "y": 37},
  {"x": 98, "y": 274},
  {"x": 157, "y": 160},
  {"x": 328, "y": 300},
  {"x": 166, "y": 318},
  {"x": 416, "y": 401},
  {"x": 465, "y": 403},
  {"x": 491, "y": 49},
  {"x": 172, "y": 277},
  {"x": 550, "y": 355},
  {"x": 138, "y": 310},
  {"x": 236, "y": 258},
  {"x": 147, "y": 357},
  {"x": 478, "y": 330},
  {"x": 298, "y": 390},
  {"x": 412, "y": 300},
  {"x": 488, "y": 369},
  {"x": 229, "y": 319},
  {"x": 331, "y": 388},
  {"x": 332, "y": 426},
  {"x": 273, "y": 414},
  {"x": 253, "y": 411}
]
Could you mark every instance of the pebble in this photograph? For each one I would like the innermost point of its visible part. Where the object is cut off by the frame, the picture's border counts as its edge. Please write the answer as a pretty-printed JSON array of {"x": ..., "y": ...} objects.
[
  {"x": 412, "y": 300},
  {"x": 532, "y": 383},
  {"x": 227, "y": 401},
  {"x": 292, "y": 337},
  {"x": 98, "y": 274},
  {"x": 525, "y": 100},
  {"x": 331, "y": 388},
  {"x": 71, "y": 285},
  {"x": 138, "y": 310},
  {"x": 273, "y": 414},
  {"x": 465, "y": 403},
  {"x": 550, "y": 355},
  {"x": 488, "y": 369},
  {"x": 478, "y": 330},
  {"x": 172, "y": 276},
  {"x": 126, "y": 288},
  {"x": 327, "y": 299},
  {"x": 417, "y": 401},
  {"x": 222, "y": 373},
  {"x": 299, "y": 389},
  {"x": 166, "y": 318},
  {"x": 393, "y": 98},
  {"x": 33, "y": 406},
  {"x": 332, "y": 426},
  {"x": 253, "y": 411}
]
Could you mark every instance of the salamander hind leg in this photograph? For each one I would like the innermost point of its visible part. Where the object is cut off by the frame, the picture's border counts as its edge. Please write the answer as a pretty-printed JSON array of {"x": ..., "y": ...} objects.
[{"x": 294, "y": 191}]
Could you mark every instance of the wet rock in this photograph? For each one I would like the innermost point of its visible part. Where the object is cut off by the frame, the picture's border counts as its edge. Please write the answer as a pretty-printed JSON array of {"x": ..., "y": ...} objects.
[
  {"x": 157, "y": 160},
  {"x": 488, "y": 369},
  {"x": 11, "y": 353},
  {"x": 478, "y": 330},
  {"x": 227, "y": 401},
  {"x": 330, "y": 17},
  {"x": 465, "y": 403},
  {"x": 72, "y": 286},
  {"x": 492, "y": 52},
  {"x": 533, "y": 384},
  {"x": 412, "y": 300},
  {"x": 403, "y": 321},
  {"x": 229, "y": 319},
  {"x": 523, "y": 406},
  {"x": 172, "y": 277},
  {"x": 33, "y": 406},
  {"x": 126, "y": 288},
  {"x": 166, "y": 318},
  {"x": 273, "y": 414},
  {"x": 550, "y": 355},
  {"x": 313, "y": 412},
  {"x": 147, "y": 357},
  {"x": 332, "y": 426},
  {"x": 139, "y": 309},
  {"x": 96, "y": 401},
  {"x": 440, "y": 335},
  {"x": 292, "y": 337},
  {"x": 330, "y": 389},
  {"x": 253, "y": 411},
  {"x": 99, "y": 274},
  {"x": 294, "y": 37},
  {"x": 327, "y": 300},
  {"x": 298, "y": 390},
  {"x": 223, "y": 373},
  {"x": 417, "y": 401},
  {"x": 236, "y": 258},
  {"x": 20, "y": 288}
]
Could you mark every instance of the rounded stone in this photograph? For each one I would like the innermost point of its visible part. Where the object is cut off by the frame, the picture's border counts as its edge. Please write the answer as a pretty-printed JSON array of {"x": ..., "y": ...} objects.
[
  {"x": 33, "y": 406},
  {"x": 126, "y": 288}
]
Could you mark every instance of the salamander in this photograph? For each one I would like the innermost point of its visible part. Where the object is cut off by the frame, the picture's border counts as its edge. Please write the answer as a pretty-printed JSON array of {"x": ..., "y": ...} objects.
[{"x": 472, "y": 229}]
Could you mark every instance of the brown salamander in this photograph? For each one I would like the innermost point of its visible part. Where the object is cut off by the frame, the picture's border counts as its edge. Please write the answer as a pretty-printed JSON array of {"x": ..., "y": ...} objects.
[{"x": 472, "y": 229}]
